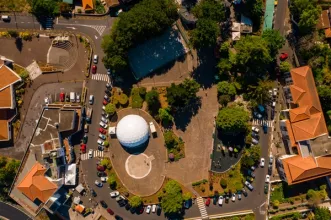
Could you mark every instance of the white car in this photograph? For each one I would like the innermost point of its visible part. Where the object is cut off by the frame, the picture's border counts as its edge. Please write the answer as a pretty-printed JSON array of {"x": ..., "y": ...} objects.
[
  {"x": 104, "y": 179},
  {"x": 90, "y": 153},
  {"x": 102, "y": 136},
  {"x": 255, "y": 129},
  {"x": 262, "y": 162},
  {"x": 253, "y": 168},
  {"x": 104, "y": 120},
  {"x": 267, "y": 178},
  {"x": 98, "y": 184},
  {"x": 255, "y": 141},
  {"x": 271, "y": 159},
  {"x": 148, "y": 209},
  {"x": 233, "y": 197},
  {"x": 100, "y": 142},
  {"x": 77, "y": 98},
  {"x": 104, "y": 108},
  {"x": 46, "y": 100},
  {"x": 103, "y": 125},
  {"x": 220, "y": 200},
  {"x": 114, "y": 194}
]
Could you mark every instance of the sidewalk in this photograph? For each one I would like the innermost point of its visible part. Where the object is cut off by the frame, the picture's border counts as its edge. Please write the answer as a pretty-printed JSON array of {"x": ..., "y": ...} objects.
[{"x": 98, "y": 213}]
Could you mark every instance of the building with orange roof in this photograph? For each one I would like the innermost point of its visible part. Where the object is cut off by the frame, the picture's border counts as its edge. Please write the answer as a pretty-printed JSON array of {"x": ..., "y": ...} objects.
[
  {"x": 87, "y": 5},
  {"x": 7, "y": 100},
  {"x": 304, "y": 131}
]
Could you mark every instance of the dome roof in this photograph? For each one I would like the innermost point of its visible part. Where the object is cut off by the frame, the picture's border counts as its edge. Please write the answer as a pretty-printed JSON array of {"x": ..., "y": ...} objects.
[{"x": 132, "y": 131}]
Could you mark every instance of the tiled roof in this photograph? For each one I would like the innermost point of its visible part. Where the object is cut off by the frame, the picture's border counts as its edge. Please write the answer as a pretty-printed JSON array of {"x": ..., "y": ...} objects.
[
  {"x": 327, "y": 33},
  {"x": 87, "y": 5},
  {"x": 323, "y": 21},
  {"x": 8, "y": 77},
  {"x": 36, "y": 185},
  {"x": 6, "y": 97},
  {"x": 4, "y": 133}
]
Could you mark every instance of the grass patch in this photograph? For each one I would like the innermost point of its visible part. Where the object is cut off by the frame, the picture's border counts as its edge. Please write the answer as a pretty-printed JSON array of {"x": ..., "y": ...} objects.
[
  {"x": 19, "y": 5},
  {"x": 137, "y": 97},
  {"x": 233, "y": 178},
  {"x": 16, "y": 126},
  {"x": 162, "y": 96}
]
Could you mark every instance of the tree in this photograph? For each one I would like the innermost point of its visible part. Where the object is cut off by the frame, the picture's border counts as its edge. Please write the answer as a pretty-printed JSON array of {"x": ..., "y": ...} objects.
[
  {"x": 252, "y": 55},
  {"x": 165, "y": 116},
  {"x": 224, "y": 66},
  {"x": 146, "y": 19},
  {"x": 153, "y": 101},
  {"x": 64, "y": 7},
  {"x": 254, "y": 10},
  {"x": 324, "y": 93},
  {"x": 210, "y": 9},
  {"x": 275, "y": 204},
  {"x": 106, "y": 163},
  {"x": 274, "y": 40},
  {"x": 135, "y": 201},
  {"x": 223, "y": 183},
  {"x": 44, "y": 7},
  {"x": 181, "y": 95},
  {"x": 224, "y": 100},
  {"x": 8, "y": 169},
  {"x": 112, "y": 181},
  {"x": 260, "y": 92},
  {"x": 110, "y": 109},
  {"x": 284, "y": 67},
  {"x": 228, "y": 88},
  {"x": 187, "y": 196},
  {"x": 309, "y": 19},
  {"x": 172, "y": 200},
  {"x": 322, "y": 213},
  {"x": 106, "y": 143},
  {"x": 205, "y": 34},
  {"x": 251, "y": 156},
  {"x": 169, "y": 139},
  {"x": 232, "y": 119},
  {"x": 24, "y": 74}
]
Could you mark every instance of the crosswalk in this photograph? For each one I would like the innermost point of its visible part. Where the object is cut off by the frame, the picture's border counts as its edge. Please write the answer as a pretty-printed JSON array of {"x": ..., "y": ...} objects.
[
  {"x": 202, "y": 208},
  {"x": 96, "y": 153},
  {"x": 101, "y": 77},
  {"x": 99, "y": 29},
  {"x": 260, "y": 122}
]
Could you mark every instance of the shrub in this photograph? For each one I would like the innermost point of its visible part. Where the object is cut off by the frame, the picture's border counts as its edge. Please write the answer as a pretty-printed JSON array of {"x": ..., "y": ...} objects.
[
  {"x": 142, "y": 91},
  {"x": 291, "y": 200},
  {"x": 13, "y": 33},
  {"x": 79, "y": 10},
  {"x": 106, "y": 143},
  {"x": 153, "y": 101},
  {"x": 169, "y": 139},
  {"x": 275, "y": 204},
  {"x": 187, "y": 196},
  {"x": 26, "y": 36},
  {"x": 137, "y": 100},
  {"x": 123, "y": 99},
  {"x": 223, "y": 183},
  {"x": 135, "y": 201},
  {"x": 224, "y": 99},
  {"x": 165, "y": 116},
  {"x": 112, "y": 181},
  {"x": 110, "y": 109},
  {"x": 106, "y": 163},
  {"x": 284, "y": 67}
]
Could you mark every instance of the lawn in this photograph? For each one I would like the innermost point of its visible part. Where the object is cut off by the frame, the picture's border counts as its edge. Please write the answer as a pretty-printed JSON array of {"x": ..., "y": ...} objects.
[
  {"x": 162, "y": 95},
  {"x": 233, "y": 177},
  {"x": 19, "y": 5}
]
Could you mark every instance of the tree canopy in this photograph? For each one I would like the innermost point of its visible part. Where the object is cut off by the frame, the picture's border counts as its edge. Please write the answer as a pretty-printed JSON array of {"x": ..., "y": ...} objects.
[
  {"x": 232, "y": 119},
  {"x": 135, "y": 201},
  {"x": 322, "y": 213},
  {"x": 181, "y": 95},
  {"x": 44, "y": 7},
  {"x": 172, "y": 199},
  {"x": 165, "y": 116},
  {"x": 259, "y": 93},
  {"x": 146, "y": 19},
  {"x": 251, "y": 156},
  {"x": 254, "y": 10},
  {"x": 228, "y": 88},
  {"x": 274, "y": 40},
  {"x": 205, "y": 34},
  {"x": 8, "y": 169},
  {"x": 211, "y": 9},
  {"x": 110, "y": 109},
  {"x": 252, "y": 55}
]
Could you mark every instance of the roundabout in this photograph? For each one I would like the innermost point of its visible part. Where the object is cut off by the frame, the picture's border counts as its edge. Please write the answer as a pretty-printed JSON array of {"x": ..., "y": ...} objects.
[{"x": 137, "y": 157}]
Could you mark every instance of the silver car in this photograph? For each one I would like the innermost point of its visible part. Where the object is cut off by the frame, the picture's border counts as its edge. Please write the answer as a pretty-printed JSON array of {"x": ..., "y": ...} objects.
[{"x": 254, "y": 141}]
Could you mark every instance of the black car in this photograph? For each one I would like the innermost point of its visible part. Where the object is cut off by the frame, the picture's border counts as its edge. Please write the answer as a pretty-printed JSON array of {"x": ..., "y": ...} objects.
[
  {"x": 244, "y": 192},
  {"x": 266, "y": 188},
  {"x": 127, "y": 206},
  {"x": 133, "y": 210},
  {"x": 101, "y": 174},
  {"x": 103, "y": 204},
  {"x": 215, "y": 199},
  {"x": 94, "y": 194},
  {"x": 117, "y": 217},
  {"x": 270, "y": 169},
  {"x": 255, "y": 135},
  {"x": 122, "y": 202},
  {"x": 158, "y": 210}
]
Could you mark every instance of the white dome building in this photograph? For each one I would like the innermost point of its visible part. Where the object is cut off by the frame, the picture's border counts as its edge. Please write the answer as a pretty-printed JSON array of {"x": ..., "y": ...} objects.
[{"x": 132, "y": 131}]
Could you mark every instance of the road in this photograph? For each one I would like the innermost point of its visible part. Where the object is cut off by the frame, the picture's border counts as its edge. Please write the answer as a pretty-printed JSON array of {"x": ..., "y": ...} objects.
[
  {"x": 280, "y": 15},
  {"x": 10, "y": 212},
  {"x": 96, "y": 29}
]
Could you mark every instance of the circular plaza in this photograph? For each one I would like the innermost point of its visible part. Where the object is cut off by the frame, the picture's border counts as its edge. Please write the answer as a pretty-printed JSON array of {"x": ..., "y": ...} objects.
[{"x": 138, "y": 157}]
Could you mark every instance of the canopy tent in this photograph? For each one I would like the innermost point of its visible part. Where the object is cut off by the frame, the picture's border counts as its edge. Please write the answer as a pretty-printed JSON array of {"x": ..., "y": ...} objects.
[
  {"x": 80, "y": 188},
  {"x": 70, "y": 175},
  {"x": 77, "y": 200},
  {"x": 235, "y": 35},
  {"x": 112, "y": 130},
  {"x": 235, "y": 27}
]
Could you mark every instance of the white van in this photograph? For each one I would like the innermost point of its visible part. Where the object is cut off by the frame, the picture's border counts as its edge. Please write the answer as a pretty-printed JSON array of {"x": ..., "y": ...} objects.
[
  {"x": 72, "y": 97},
  {"x": 86, "y": 128},
  {"x": 5, "y": 18},
  {"x": 91, "y": 100},
  {"x": 95, "y": 59},
  {"x": 154, "y": 208}
]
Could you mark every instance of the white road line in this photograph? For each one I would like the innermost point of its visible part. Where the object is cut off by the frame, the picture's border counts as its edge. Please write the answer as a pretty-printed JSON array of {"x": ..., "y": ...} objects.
[
  {"x": 98, "y": 28},
  {"x": 202, "y": 208}
]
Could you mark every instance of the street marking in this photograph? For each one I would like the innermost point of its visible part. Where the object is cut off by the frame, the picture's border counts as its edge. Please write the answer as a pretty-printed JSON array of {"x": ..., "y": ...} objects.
[
  {"x": 72, "y": 28},
  {"x": 202, "y": 208},
  {"x": 95, "y": 37},
  {"x": 96, "y": 153},
  {"x": 99, "y": 28},
  {"x": 100, "y": 77},
  {"x": 261, "y": 121},
  {"x": 57, "y": 20}
]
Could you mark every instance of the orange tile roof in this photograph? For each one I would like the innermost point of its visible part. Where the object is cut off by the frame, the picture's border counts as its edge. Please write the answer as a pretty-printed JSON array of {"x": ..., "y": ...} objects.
[
  {"x": 323, "y": 21},
  {"x": 4, "y": 131},
  {"x": 36, "y": 185},
  {"x": 290, "y": 133},
  {"x": 327, "y": 33},
  {"x": 299, "y": 169},
  {"x": 79, "y": 208},
  {"x": 8, "y": 77},
  {"x": 307, "y": 120},
  {"x": 87, "y": 5},
  {"x": 6, "y": 97}
]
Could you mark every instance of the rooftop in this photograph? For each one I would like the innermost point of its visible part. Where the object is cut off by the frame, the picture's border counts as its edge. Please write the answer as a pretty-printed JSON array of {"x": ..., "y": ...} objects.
[
  {"x": 323, "y": 21},
  {"x": 8, "y": 77}
]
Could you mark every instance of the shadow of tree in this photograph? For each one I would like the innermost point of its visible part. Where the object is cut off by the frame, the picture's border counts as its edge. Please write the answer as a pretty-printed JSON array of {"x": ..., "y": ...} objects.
[
  {"x": 183, "y": 116},
  {"x": 19, "y": 44}
]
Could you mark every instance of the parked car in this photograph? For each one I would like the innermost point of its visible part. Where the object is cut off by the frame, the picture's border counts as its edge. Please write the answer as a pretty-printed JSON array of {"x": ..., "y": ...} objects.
[
  {"x": 105, "y": 102},
  {"x": 62, "y": 97},
  {"x": 117, "y": 217},
  {"x": 101, "y": 174},
  {"x": 102, "y": 136},
  {"x": 233, "y": 197},
  {"x": 208, "y": 201},
  {"x": 104, "y": 179},
  {"x": 269, "y": 169},
  {"x": 265, "y": 128},
  {"x": 266, "y": 188},
  {"x": 103, "y": 204},
  {"x": 257, "y": 115},
  {"x": 114, "y": 194},
  {"x": 255, "y": 136},
  {"x": 267, "y": 178},
  {"x": 158, "y": 210},
  {"x": 91, "y": 99},
  {"x": 108, "y": 72},
  {"x": 251, "y": 173},
  {"x": 128, "y": 206},
  {"x": 77, "y": 98},
  {"x": 253, "y": 167},
  {"x": 220, "y": 200},
  {"x": 93, "y": 193},
  {"x": 106, "y": 97},
  {"x": 104, "y": 120},
  {"x": 249, "y": 186},
  {"x": 100, "y": 142},
  {"x": 122, "y": 202},
  {"x": 239, "y": 195},
  {"x": 98, "y": 184},
  {"x": 94, "y": 69},
  {"x": 108, "y": 85},
  {"x": 110, "y": 211},
  {"x": 100, "y": 148},
  {"x": 102, "y": 131},
  {"x": 148, "y": 209},
  {"x": 90, "y": 153},
  {"x": 67, "y": 98},
  {"x": 154, "y": 208},
  {"x": 85, "y": 138},
  {"x": 187, "y": 203},
  {"x": 100, "y": 168},
  {"x": 283, "y": 56},
  {"x": 103, "y": 125},
  {"x": 254, "y": 141},
  {"x": 95, "y": 59},
  {"x": 120, "y": 197},
  {"x": 244, "y": 192},
  {"x": 271, "y": 159},
  {"x": 104, "y": 114},
  {"x": 255, "y": 129},
  {"x": 262, "y": 162},
  {"x": 227, "y": 198}
]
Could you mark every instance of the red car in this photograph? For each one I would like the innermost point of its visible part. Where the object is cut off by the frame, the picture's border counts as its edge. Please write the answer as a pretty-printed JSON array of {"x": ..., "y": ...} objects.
[
  {"x": 104, "y": 102},
  {"x": 62, "y": 96},
  {"x": 100, "y": 168},
  {"x": 83, "y": 148},
  {"x": 102, "y": 131},
  {"x": 94, "y": 69},
  {"x": 208, "y": 202},
  {"x": 110, "y": 211},
  {"x": 283, "y": 56}
]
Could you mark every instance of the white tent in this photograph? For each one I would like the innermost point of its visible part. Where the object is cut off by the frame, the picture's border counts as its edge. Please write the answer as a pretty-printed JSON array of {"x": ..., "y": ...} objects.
[
  {"x": 70, "y": 175},
  {"x": 80, "y": 188},
  {"x": 235, "y": 27},
  {"x": 77, "y": 200},
  {"x": 235, "y": 35},
  {"x": 112, "y": 130}
]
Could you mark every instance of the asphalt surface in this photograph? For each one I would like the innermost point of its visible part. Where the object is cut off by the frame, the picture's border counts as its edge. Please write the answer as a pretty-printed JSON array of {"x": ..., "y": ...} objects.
[
  {"x": 11, "y": 212},
  {"x": 279, "y": 20},
  {"x": 255, "y": 199}
]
